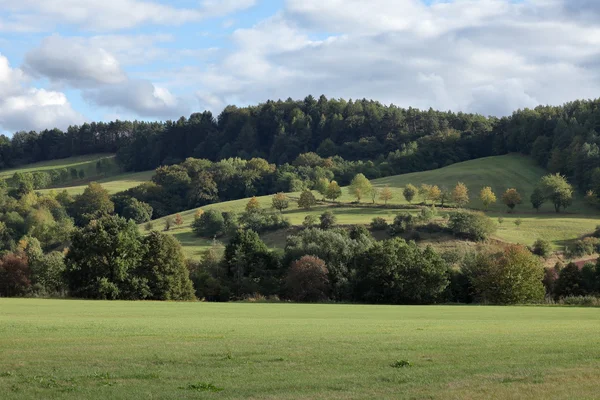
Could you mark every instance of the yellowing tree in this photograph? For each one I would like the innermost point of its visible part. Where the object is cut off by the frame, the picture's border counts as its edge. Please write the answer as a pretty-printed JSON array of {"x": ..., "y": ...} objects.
[
  {"x": 253, "y": 205},
  {"x": 386, "y": 194},
  {"x": 333, "y": 191},
  {"x": 511, "y": 198},
  {"x": 360, "y": 187},
  {"x": 487, "y": 197},
  {"x": 178, "y": 220},
  {"x": 460, "y": 194},
  {"x": 434, "y": 193},
  {"x": 424, "y": 190},
  {"x": 280, "y": 202}
]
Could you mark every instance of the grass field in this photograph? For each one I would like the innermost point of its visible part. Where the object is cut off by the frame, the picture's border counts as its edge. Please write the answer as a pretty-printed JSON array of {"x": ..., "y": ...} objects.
[
  {"x": 53, "y": 349},
  {"x": 80, "y": 162},
  {"x": 113, "y": 184},
  {"x": 500, "y": 172}
]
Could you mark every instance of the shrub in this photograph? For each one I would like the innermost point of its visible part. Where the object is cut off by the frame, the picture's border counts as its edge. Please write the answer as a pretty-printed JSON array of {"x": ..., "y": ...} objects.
[
  {"x": 328, "y": 220},
  {"x": 470, "y": 225},
  {"x": 542, "y": 248},
  {"x": 310, "y": 221},
  {"x": 404, "y": 222},
  {"x": 210, "y": 224},
  {"x": 307, "y": 280},
  {"x": 427, "y": 214},
  {"x": 264, "y": 222},
  {"x": 15, "y": 275},
  {"x": 587, "y": 246},
  {"x": 586, "y": 301},
  {"x": 379, "y": 224}
]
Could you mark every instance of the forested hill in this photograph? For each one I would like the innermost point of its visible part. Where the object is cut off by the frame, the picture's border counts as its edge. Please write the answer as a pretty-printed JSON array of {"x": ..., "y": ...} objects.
[{"x": 563, "y": 139}]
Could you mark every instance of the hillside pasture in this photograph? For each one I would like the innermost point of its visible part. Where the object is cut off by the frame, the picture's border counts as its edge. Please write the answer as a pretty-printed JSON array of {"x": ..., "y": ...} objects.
[
  {"x": 114, "y": 184},
  {"x": 64, "y": 349}
]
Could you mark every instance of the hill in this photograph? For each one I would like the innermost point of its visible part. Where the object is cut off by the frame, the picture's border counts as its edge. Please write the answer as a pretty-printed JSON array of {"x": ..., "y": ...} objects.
[
  {"x": 500, "y": 172},
  {"x": 114, "y": 184},
  {"x": 87, "y": 163}
]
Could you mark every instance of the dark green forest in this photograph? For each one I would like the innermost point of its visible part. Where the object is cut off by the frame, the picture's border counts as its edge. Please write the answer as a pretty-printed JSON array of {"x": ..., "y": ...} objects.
[{"x": 563, "y": 139}]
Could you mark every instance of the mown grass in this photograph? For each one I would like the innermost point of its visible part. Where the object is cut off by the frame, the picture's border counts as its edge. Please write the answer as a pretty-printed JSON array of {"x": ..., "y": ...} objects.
[
  {"x": 500, "y": 173},
  {"x": 56, "y": 349}
]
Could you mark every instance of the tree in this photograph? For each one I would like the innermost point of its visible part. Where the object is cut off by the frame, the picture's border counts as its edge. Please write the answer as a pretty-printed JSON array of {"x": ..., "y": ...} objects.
[
  {"x": 513, "y": 276},
  {"x": 249, "y": 265},
  {"x": 93, "y": 203},
  {"x": 409, "y": 192},
  {"x": 487, "y": 197},
  {"x": 136, "y": 210},
  {"x": 360, "y": 187},
  {"x": 434, "y": 193},
  {"x": 518, "y": 222},
  {"x": 102, "y": 259},
  {"x": 178, "y": 220},
  {"x": 511, "y": 198},
  {"x": 280, "y": 202},
  {"x": 333, "y": 191},
  {"x": 307, "y": 280},
  {"x": 168, "y": 223},
  {"x": 557, "y": 190},
  {"x": 209, "y": 224},
  {"x": 445, "y": 196},
  {"x": 374, "y": 194},
  {"x": 328, "y": 220},
  {"x": 164, "y": 270},
  {"x": 537, "y": 198},
  {"x": 321, "y": 186},
  {"x": 23, "y": 182},
  {"x": 253, "y": 205},
  {"x": 307, "y": 200},
  {"x": 569, "y": 282},
  {"x": 460, "y": 195},
  {"x": 15, "y": 275},
  {"x": 397, "y": 272},
  {"x": 386, "y": 194},
  {"x": 424, "y": 191}
]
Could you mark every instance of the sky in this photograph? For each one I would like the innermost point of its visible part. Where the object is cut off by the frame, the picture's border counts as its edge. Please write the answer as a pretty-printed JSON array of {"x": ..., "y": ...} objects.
[{"x": 65, "y": 62}]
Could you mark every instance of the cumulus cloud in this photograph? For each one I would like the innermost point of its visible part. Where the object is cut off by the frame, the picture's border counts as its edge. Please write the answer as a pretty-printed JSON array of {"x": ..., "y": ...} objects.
[
  {"x": 486, "y": 56},
  {"x": 140, "y": 96},
  {"x": 99, "y": 15},
  {"x": 73, "y": 60},
  {"x": 27, "y": 108}
]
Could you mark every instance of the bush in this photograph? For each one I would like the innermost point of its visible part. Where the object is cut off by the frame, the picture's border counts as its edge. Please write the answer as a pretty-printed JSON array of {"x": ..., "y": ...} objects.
[
  {"x": 264, "y": 222},
  {"x": 379, "y": 224},
  {"x": 15, "y": 275},
  {"x": 307, "y": 280},
  {"x": 328, "y": 220},
  {"x": 209, "y": 224},
  {"x": 471, "y": 225},
  {"x": 404, "y": 222},
  {"x": 310, "y": 221},
  {"x": 569, "y": 282},
  {"x": 585, "y": 301},
  {"x": 427, "y": 214},
  {"x": 542, "y": 248},
  {"x": 585, "y": 247}
]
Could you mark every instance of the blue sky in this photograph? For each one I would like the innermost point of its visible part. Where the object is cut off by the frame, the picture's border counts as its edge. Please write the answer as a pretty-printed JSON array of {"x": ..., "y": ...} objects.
[{"x": 69, "y": 61}]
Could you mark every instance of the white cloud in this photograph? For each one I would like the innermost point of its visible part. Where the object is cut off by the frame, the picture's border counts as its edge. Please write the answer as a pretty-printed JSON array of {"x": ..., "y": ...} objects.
[
  {"x": 73, "y": 60},
  {"x": 103, "y": 15},
  {"x": 26, "y": 108},
  {"x": 141, "y": 97},
  {"x": 487, "y": 56}
]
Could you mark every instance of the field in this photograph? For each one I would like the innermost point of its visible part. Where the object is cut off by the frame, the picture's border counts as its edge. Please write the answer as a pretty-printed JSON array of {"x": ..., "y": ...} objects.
[
  {"x": 500, "y": 173},
  {"x": 87, "y": 162},
  {"x": 114, "y": 184},
  {"x": 59, "y": 349}
]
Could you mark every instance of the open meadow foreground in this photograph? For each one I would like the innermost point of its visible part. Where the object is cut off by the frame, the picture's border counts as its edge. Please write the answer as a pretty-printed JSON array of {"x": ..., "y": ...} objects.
[{"x": 57, "y": 349}]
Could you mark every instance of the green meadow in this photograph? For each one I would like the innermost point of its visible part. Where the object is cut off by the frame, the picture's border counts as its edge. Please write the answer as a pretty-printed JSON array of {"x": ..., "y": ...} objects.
[{"x": 66, "y": 349}]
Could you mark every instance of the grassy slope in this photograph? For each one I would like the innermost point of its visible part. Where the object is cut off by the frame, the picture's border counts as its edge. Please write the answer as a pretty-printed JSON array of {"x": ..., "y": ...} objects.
[
  {"x": 113, "y": 184},
  {"x": 498, "y": 172},
  {"x": 139, "y": 350},
  {"x": 79, "y": 162}
]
